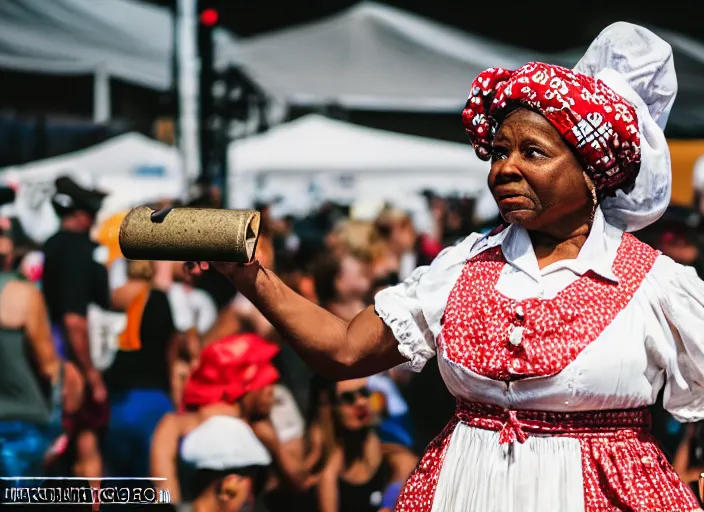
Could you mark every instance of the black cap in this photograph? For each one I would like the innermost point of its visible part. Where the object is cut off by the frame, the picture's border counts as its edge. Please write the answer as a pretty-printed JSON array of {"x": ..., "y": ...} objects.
[{"x": 70, "y": 196}]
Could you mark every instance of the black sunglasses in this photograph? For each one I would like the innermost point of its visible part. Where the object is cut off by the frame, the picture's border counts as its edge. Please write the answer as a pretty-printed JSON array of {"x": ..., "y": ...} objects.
[{"x": 350, "y": 397}]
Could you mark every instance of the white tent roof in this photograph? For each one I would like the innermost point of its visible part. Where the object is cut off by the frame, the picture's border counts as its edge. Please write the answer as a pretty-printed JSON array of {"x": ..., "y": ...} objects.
[
  {"x": 131, "y": 168},
  {"x": 372, "y": 56},
  {"x": 346, "y": 161},
  {"x": 124, "y": 38}
]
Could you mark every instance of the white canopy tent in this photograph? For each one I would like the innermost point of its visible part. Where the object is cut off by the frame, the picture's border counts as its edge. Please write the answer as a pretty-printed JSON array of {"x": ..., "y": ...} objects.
[
  {"x": 127, "y": 39},
  {"x": 371, "y": 56},
  {"x": 131, "y": 168},
  {"x": 376, "y": 57},
  {"x": 315, "y": 158},
  {"x": 124, "y": 39}
]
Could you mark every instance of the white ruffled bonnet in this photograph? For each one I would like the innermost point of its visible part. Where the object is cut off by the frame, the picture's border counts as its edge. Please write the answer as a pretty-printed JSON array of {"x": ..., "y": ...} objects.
[{"x": 638, "y": 65}]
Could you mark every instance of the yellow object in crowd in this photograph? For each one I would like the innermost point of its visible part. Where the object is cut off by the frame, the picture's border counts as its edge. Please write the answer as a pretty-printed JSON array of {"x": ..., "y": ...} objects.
[
  {"x": 130, "y": 339},
  {"x": 108, "y": 236},
  {"x": 377, "y": 402}
]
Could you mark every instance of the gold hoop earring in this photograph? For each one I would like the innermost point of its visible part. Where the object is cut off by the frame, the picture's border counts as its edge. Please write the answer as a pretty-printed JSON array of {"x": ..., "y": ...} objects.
[
  {"x": 591, "y": 187},
  {"x": 592, "y": 190}
]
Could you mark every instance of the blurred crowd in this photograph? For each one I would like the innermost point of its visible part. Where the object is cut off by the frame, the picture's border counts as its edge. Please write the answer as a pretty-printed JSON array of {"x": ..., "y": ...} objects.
[{"x": 125, "y": 368}]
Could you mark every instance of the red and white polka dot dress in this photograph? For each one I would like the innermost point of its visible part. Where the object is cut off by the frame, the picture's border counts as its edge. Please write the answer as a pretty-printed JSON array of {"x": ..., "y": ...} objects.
[{"x": 552, "y": 370}]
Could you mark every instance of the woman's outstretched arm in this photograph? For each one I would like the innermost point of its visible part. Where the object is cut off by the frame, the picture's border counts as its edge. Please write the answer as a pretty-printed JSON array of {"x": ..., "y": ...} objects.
[{"x": 334, "y": 348}]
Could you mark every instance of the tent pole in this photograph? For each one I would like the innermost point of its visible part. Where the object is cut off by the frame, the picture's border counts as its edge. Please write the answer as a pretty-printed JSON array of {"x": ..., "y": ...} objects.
[
  {"x": 188, "y": 92},
  {"x": 174, "y": 91},
  {"x": 101, "y": 96}
]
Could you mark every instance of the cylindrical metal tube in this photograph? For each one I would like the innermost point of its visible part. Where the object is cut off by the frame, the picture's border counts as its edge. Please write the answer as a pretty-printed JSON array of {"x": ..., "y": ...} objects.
[{"x": 190, "y": 234}]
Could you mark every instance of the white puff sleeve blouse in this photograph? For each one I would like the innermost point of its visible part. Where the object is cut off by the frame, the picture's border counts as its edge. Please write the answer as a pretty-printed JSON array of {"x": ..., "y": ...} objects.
[{"x": 656, "y": 340}]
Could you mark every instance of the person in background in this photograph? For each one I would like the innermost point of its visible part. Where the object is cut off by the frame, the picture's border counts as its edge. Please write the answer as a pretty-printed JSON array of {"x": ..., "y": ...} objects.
[
  {"x": 201, "y": 306},
  {"x": 234, "y": 378},
  {"x": 243, "y": 317},
  {"x": 342, "y": 287},
  {"x": 192, "y": 311},
  {"x": 297, "y": 275},
  {"x": 689, "y": 459},
  {"x": 284, "y": 239},
  {"x": 357, "y": 237},
  {"x": 187, "y": 305},
  {"x": 360, "y": 239},
  {"x": 438, "y": 209},
  {"x": 285, "y": 432},
  {"x": 320, "y": 430},
  {"x": 359, "y": 469},
  {"x": 395, "y": 426},
  {"x": 75, "y": 278},
  {"x": 139, "y": 378},
  {"x": 408, "y": 247},
  {"x": 235, "y": 493},
  {"x": 341, "y": 283},
  {"x": 313, "y": 230},
  {"x": 31, "y": 267},
  {"x": 195, "y": 313},
  {"x": 36, "y": 386},
  {"x": 678, "y": 237},
  {"x": 230, "y": 462}
]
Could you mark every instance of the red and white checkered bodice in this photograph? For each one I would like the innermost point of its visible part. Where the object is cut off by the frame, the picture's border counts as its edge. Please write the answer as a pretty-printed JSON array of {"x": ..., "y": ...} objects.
[{"x": 505, "y": 339}]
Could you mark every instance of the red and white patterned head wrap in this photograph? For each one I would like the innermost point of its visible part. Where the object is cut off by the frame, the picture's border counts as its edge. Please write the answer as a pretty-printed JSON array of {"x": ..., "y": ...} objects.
[{"x": 598, "y": 123}]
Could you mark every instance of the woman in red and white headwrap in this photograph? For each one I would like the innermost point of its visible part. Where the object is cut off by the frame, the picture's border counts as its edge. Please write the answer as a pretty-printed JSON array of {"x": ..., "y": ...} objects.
[{"x": 556, "y": 331}]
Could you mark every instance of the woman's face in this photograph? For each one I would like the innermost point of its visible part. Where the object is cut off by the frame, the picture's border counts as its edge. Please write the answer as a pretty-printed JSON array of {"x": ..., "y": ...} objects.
[
  {"x": 352, "y": 401},
  {"x": 535, "y": 177},
  {"x": 233, "y": 493},
  {"x": 403, "y": 236},
  {"x": 262, "y": 401},
  {"x": 353, "y": 281}
]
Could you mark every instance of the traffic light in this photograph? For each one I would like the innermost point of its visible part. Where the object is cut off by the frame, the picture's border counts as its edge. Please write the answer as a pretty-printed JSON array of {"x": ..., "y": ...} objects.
[
  {"x": 208, "y": 19},
  {"x": 209, "y": 16},
  {"x": 227, "y": 98}
]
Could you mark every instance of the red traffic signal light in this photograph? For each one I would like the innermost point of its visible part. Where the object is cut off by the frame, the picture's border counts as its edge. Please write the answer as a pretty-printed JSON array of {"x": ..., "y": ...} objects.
[{"x": 209, "y": 17}]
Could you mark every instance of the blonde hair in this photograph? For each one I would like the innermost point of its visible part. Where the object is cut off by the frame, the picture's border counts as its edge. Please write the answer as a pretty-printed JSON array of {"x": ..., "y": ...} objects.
[
  {"x": 390, "y": 217},
  {"x": 358, "y": 238},
  {"x": 140, "y": 269}
]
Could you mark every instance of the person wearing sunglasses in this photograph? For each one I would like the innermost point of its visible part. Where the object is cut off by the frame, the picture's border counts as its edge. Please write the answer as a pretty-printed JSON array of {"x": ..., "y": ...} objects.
[{"x": 360, "y": 467}]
